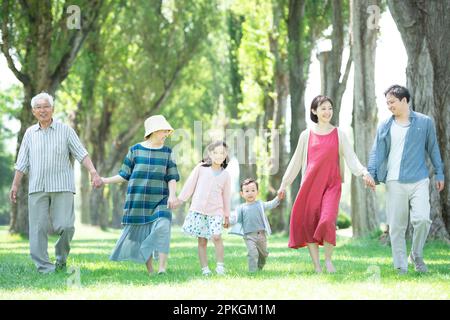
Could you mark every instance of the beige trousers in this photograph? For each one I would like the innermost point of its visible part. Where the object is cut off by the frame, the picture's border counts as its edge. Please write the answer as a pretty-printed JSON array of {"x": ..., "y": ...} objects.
[
  {"x": 50, "y": 212},
  {"x": 403, "y": 199},
  {"x": 256, "y": 243}
]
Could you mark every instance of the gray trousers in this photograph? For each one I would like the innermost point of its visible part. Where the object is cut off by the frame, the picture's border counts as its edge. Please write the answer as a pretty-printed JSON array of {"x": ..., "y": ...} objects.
[
  {"x": 50, "y": 213},
  {"x": 256, "y": 243},
  {"x": 403, "y": 199}
]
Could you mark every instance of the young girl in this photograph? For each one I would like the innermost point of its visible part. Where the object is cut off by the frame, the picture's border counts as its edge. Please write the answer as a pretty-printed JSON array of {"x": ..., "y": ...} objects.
[
  {"x": 320, "y": 153},
  {"x": 152, "y": 175},
  {"x": 210, "y": 187}
]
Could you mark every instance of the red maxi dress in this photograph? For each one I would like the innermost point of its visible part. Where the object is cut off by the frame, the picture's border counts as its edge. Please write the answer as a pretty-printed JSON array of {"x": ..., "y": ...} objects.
[{"x": 314, "y": 214}]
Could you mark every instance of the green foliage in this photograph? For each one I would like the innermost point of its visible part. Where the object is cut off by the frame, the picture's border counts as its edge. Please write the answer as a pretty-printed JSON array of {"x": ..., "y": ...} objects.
[
  {"x": 9, "y": 108},
  {"x": 6, "y": 174},
  {"x": 23, "y": 14},
  {"x": 10, "y": 99},
  {"x": 376, "y": 234},
  {"x": 343, "y": 220},
  {"x": 255, "y": 59}
]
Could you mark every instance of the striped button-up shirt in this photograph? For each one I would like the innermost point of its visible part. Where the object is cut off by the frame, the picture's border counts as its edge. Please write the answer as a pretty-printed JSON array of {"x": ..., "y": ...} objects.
[{"x": 45, "y": 154}]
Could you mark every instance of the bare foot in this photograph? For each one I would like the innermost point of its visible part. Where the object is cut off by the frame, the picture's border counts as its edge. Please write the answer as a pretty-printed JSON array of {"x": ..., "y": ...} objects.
[
  {"x": 330, "y": 267},
  {"x": 149, "y": 268},
  {"x": 318, "y": 269}
]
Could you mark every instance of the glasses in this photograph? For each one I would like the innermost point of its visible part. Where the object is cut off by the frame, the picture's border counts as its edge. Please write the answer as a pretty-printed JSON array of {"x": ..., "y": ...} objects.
[{"x": 42, "y": 107}]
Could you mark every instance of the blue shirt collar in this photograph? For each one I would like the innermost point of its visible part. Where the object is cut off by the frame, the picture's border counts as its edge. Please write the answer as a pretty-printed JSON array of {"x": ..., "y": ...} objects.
[{"x": 412, "y": 116}]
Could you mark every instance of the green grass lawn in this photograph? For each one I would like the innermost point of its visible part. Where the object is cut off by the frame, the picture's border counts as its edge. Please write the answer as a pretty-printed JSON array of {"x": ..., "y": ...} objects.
[{"x": 364, "y": 271}]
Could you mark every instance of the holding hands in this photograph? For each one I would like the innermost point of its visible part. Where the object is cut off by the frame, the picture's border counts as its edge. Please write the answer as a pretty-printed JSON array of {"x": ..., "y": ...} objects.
[
  {"x": 226, "y": 222},
  {"x": 368, "y": 181},
  {"x": 173, "y": 202},
  {"x": 96, "y": 180},
  {"x": 281, "y": 194}
]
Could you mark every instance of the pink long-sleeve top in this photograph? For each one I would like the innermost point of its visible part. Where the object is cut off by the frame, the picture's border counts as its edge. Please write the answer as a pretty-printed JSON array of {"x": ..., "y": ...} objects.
[{"x": 211, "y": 194}]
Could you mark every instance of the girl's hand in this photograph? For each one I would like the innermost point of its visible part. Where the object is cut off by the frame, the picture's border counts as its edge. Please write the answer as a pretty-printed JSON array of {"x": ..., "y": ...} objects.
[
  {"x": 172, "y": 202},
  {"x": 226, "y": 223}
]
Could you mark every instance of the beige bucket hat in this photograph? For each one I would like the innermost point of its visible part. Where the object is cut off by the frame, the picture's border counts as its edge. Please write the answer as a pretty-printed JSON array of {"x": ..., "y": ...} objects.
[{"x": 155, "y": 123}]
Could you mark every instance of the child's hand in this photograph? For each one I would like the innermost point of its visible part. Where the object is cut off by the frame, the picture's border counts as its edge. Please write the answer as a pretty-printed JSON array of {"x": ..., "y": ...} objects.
[
  {"x": 173, "y": 202},
  {"x": 96, "y": 181},
  {"x": 226, "y": 223},
  {"x": 281, "y": 194}
]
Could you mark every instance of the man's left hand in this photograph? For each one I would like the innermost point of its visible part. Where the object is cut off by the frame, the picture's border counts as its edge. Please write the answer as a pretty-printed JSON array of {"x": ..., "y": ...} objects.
[{"x": 440, "y": 185}]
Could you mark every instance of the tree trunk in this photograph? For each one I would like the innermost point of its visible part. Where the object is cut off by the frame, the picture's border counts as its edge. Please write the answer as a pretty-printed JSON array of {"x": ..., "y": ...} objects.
[
  {"x": 19, "y": 210},
  {"x": 278, "y": 216},
  {"x": 297, "y": 81},
  {"x": 99, "y": 215},
  {"x": 85, "y": 190},
  {"x": 97, "y": 208},
  {"x": 45, "y": 65},
  {"x": 423, "y": 26},
  {"x": 363, "y": 201},
  {"x": 246, "y": 154},
  {"x": 235, "y": 33},
  {"x": 330, "y": 62}
]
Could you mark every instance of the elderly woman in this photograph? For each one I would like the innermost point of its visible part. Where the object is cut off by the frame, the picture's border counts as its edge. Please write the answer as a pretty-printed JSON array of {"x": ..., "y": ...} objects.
[{"x": 45, "y": 155}]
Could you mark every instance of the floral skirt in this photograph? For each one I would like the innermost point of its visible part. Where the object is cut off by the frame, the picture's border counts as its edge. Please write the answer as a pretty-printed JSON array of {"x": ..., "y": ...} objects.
[{"x": 202, "y": 225}]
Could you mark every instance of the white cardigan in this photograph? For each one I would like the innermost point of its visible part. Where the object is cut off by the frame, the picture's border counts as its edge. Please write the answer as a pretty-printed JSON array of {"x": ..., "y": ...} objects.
[{"x": 299, "y": 159}]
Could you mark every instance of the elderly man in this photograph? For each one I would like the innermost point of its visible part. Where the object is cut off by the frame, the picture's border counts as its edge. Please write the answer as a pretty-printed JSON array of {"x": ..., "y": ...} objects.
[{"x": 45, "y": 155}]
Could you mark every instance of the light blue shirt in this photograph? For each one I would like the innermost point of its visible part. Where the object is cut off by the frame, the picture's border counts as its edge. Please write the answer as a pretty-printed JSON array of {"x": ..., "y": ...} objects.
[
  {"x": 252, "y": 217},
  {"x": 419, "y": 142}
]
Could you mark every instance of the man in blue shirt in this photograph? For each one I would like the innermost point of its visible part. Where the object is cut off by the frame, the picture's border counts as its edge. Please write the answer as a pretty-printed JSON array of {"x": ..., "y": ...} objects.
[{"x": 398, "y": 160}]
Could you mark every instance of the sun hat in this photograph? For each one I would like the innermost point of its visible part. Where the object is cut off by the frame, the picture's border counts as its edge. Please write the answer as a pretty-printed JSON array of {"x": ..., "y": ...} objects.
[{"x": 155, "y": 123}]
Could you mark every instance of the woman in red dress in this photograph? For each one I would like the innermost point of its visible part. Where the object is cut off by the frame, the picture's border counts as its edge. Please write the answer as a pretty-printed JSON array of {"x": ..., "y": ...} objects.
[{"x": 320, "y": 155}]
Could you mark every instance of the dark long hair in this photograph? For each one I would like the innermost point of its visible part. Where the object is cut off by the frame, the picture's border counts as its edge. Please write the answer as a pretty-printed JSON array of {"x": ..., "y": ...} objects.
[
  {"x": 207, "y": 162},
  {"x": 317, "y": 101}
]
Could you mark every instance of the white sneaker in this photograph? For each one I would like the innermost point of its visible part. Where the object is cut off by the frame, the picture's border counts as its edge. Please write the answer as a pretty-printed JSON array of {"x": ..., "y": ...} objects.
[
  {"x": 220, "y": 270},
  {"x": 206, "y": 272}
]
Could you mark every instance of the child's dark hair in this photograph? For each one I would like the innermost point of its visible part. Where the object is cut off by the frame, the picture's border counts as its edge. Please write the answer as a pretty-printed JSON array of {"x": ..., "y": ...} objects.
[
  {"x": 247, "y": 182},
  {"x": 316, "y": 102},
  {"x": 398, "y": 91},
  {"x": 207, "y": 162}
]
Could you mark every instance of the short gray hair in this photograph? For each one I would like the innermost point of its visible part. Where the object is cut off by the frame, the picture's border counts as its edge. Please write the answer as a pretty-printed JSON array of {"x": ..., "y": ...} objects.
[{"x": 40, "y": 96}]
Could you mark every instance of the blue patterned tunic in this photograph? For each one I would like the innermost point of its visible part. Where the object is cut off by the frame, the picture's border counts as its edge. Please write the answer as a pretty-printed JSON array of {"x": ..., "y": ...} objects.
[{"x": 148, "y": 172}]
